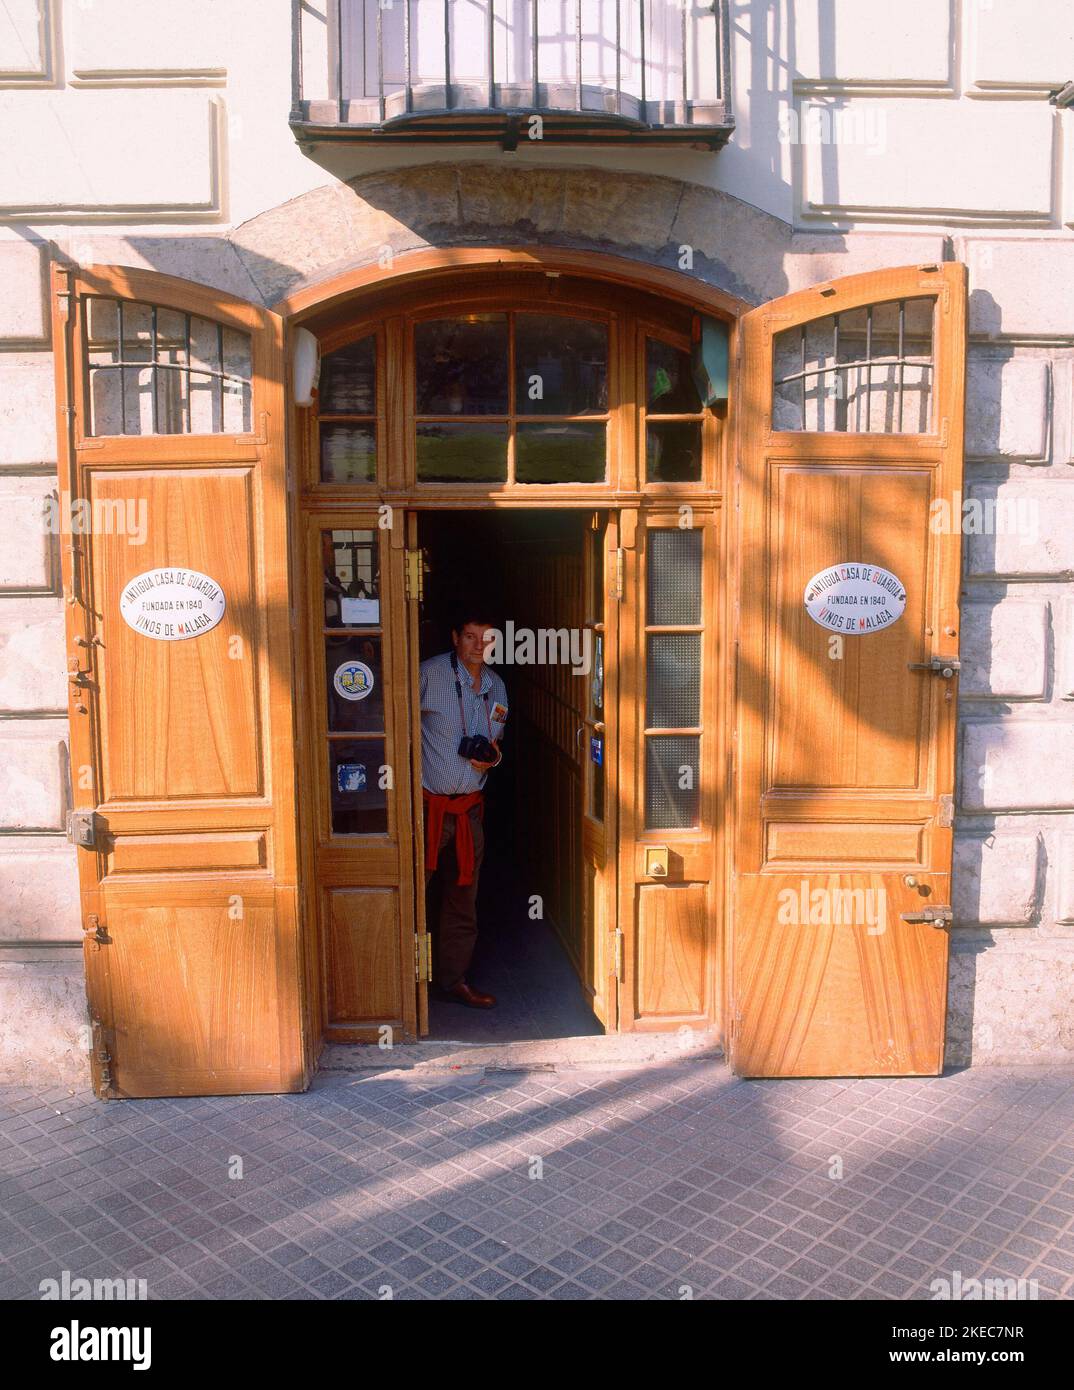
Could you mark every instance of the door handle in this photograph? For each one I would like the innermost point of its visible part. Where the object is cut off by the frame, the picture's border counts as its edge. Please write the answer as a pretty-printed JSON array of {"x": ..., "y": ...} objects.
[
  {"x": 939, "y": 916},
  {"x": 944, "y": 666},
  {"x": 656, "y": 861}
]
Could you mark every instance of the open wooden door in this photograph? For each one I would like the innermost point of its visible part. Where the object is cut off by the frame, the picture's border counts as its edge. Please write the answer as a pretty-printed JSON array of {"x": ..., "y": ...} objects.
[
  {"x": 669, "y": 768},
  {"x": 173, "y": 517},
  {"x": 850, "y": 409},
  {"x": 360, "y": 775},
  {"x": 599, "y": 743},
  {"x": 415, "y": 591}
]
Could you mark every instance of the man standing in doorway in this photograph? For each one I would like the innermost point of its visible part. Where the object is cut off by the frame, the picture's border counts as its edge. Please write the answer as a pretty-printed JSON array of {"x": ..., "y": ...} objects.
[{"x": 463, "y": 712}]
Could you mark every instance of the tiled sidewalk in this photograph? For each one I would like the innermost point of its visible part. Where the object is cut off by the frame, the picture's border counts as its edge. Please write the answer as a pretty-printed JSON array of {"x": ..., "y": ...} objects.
[{"x": 676, "y": 1177}]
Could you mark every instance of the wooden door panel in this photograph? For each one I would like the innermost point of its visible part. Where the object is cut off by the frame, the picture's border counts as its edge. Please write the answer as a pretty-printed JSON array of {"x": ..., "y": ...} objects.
[
  {"x": 852, "y": 716},
  {"x": 182, "y": 718},
  {"x": 197, "y": 976},
  {"x": 672, "y": 954},
  {"x": 183, "y": 749},
  {"x": 845, "y": 761},
  {"x": 363, "y": 956},
  {"x": 854, "y": 991}
]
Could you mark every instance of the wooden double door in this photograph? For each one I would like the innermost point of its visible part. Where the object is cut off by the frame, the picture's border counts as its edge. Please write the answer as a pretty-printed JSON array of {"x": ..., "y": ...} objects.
[{"x": 773, "y": 853}]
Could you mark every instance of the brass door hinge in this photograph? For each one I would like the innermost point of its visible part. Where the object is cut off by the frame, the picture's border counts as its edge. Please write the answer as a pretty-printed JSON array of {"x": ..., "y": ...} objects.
[
  {"x": 945, "y": 816},
  {"x": 415, "y": 574},
  {"x": 618, "y": 954},
  {"x": 423, "y": 956},
  {"x": 618, "y": 563}
]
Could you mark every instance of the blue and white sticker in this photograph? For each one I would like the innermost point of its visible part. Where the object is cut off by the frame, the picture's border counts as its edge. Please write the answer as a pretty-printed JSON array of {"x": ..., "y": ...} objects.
[
  {"x": 353, "y": 680},
  {"x": 350, "y": 777}
]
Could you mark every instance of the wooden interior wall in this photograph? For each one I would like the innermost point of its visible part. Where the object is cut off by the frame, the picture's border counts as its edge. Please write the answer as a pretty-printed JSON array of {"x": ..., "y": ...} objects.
[{"x": 545, "y": 590}]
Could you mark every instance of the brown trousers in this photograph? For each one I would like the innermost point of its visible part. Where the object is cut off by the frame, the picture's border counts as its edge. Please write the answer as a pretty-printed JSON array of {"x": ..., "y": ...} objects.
[{"x": 457, "y": 929}]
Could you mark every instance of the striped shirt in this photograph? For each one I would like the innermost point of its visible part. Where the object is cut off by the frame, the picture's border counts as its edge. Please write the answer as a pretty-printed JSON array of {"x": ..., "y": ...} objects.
[{"x": 443, "y": 772}]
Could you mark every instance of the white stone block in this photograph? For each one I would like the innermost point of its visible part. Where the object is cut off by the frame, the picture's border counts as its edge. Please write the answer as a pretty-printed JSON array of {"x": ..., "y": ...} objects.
[
  {"x": 44, "y": 1023},
  {"x": 33, "y": 656},
  {"x": 27, "y": 408},
  {"x": 996, "y": 880},
  {"x": 24, "y": 317},
  {"x": 1003, "y": 649},
  {"x": 1010, "y": 1005},
  {"x": 29, "y": 551},
  {"x": 84, "y": 150},
  {"x": 1007, "y": 408},
  {"x": 1019, "y": 529},
  {"x": 1029, "y": 43},
  {"x": 39, "y": 889},
  {"x": 1019, "y": 286},
  {"x": 908, "y": 157},
  {"x": 904, "y": 43},
  {"x": 22, "y": 40},
  {"x": 1017, "y": 765},
  {"x": 112, "y": 35},
  {"x": 33, "y": 774}
]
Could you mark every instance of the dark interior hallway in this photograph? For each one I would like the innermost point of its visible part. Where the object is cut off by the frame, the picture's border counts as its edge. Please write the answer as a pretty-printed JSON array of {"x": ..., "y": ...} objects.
[{"x": 524, "y": 961}]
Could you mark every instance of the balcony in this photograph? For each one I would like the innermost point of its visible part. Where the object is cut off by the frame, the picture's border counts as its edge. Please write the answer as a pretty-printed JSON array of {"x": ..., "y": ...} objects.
[{"x": 623, "y": 72}]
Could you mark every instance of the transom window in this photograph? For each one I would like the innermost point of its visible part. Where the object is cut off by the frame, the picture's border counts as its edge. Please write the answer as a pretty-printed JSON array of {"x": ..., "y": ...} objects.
[
  {"x": 153, "y": 370},
  {"x": 867, "y": 371},
  {"x": 511, "y": 398},
  {"x": 540, "y": 385}
]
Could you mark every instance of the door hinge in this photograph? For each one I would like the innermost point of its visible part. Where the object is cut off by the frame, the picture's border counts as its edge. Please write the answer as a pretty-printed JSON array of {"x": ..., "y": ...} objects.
[
  {"x": 415, "y": 574},
  {"x": 945, "y": 816},
  {"x": 83, "y": 828},
  {"x": 619, "y": 954},
  {"x": 95, "y": 930},
  {"x": 618, "y": 565},
  {"x": 423, "y": 956},
  {"x": 103, "y": 1056}
]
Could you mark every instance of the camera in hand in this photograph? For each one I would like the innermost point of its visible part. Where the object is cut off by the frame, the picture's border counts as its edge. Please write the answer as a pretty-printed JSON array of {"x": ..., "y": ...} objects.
[{"x": 477, "y": 747}]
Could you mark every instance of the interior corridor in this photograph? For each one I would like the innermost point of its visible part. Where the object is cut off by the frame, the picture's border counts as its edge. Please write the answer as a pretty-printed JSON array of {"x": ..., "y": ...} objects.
[{"x": 526, "y": 567}]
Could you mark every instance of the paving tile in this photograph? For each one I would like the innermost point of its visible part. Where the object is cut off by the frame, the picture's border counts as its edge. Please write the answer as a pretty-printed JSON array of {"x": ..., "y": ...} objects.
[{"x": 655, "y": 1182}]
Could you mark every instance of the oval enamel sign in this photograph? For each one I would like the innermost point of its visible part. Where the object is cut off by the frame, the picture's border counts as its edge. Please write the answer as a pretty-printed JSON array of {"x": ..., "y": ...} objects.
[
  {"x": 855, "y": 599},
  {"x": 171, "y": 605},
  {"x": 353, "y": 680}
]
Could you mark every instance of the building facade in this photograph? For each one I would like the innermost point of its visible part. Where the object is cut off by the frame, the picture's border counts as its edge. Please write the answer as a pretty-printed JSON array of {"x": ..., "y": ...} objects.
[{"x": 338, "y": 170}]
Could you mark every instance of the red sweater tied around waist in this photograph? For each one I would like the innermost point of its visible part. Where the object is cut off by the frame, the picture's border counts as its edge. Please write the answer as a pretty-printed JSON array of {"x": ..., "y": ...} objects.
[{"x": 437, "y": 807}]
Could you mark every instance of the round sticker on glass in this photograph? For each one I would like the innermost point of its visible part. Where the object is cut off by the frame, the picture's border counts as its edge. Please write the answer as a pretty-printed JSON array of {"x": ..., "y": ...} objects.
[
  {"x": 353, "y": 680},
  {"x": 855, "y": 598},
  {"x": 171, "y": 605}
]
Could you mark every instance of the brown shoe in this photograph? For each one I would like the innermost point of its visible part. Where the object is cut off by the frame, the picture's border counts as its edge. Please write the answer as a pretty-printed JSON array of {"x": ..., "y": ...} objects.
[{"x": 472, "y": 998}]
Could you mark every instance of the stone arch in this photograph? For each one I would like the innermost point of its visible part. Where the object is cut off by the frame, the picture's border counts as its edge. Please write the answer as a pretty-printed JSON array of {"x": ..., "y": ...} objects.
[{"x": 728, "y": 244}]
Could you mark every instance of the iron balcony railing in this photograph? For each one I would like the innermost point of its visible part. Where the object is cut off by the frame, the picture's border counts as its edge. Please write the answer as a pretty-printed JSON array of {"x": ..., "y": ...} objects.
[{"x": 649, "y": 71}]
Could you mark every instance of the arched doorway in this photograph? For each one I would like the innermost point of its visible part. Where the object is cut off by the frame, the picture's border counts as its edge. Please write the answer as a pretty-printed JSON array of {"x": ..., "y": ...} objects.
[{"x": 513, "y": 388}]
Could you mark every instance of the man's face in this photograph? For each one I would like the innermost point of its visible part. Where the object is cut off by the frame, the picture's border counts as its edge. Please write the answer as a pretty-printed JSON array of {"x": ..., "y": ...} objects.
[{"x": 471, "y": 642}]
